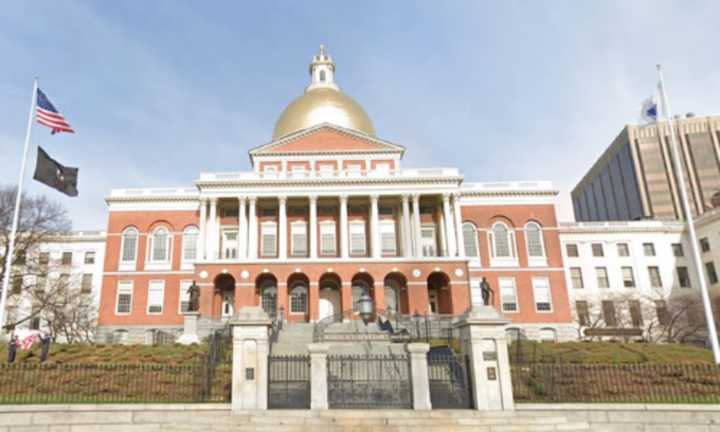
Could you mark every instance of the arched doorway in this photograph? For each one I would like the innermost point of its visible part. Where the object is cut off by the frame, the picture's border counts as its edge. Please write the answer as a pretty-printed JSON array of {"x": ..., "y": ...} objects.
[
  {"x": 330, "y": 297},
  {"x": 439, "y": 297},
  {"x": 225, "y": 294},
  {"x": 395, "y": 289},
  {"x": 298, "y": 285},
  {"x": 362, "y": 283},
  {"x": 266, "y": 290}
]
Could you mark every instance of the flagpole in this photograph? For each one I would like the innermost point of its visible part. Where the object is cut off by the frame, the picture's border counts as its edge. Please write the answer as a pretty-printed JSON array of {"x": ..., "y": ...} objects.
[
  {"x": 16, "y": 214},
  {"x": 694, "y": 247}
]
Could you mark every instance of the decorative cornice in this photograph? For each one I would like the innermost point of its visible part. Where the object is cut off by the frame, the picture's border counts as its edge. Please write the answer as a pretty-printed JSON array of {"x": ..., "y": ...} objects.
[{"x": 338, "y": 181}]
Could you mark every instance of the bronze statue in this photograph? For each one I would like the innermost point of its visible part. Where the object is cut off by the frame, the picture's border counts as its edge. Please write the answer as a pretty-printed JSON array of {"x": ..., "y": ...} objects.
[
  {"x": 487, "y": 292},
  {"x": 194, "y": 292}
]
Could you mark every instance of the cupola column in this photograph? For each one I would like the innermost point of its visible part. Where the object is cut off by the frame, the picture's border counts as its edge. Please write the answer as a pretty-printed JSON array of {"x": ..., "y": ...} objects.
[
  {"x": 282, "y": 223},
  {"x": 313, "y": 227},
  {"x": 449, "y": 226},
  {"x": 344, "y": 226},
  {"x": 418, "y": 227}
]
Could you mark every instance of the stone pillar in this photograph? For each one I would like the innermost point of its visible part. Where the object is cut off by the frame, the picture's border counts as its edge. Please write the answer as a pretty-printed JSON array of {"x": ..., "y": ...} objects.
[
  {"x": 419, "y": 375},
  {"x": 407, "y": 236},
  {"x": 450, "y": 234},
  {"x": 212, "y": 252},
  {"x": 250, "y": 359},
  {"x": 253, "y": 228},
  {"x": 375, "y": 248},
  {"x": 313, "y": 227},
  {"x": 202, "y": 238},
  {"x": 282, "y": 228},
  {"x": 417, "y": 228},
  {"x": 442, "y": 249},
  {"x": 457, "y": 214},
  {"x": 242, "y": 242},
  {"x": 318, "y": 376},
  {"x": 344, "y": 247},
  {"x": 482, "y": 333},
  {"x": 190, "y": 330}
]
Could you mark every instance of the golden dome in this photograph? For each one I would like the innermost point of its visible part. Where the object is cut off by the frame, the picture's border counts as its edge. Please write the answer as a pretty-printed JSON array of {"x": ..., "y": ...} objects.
[{"x": 323, "y": 102}]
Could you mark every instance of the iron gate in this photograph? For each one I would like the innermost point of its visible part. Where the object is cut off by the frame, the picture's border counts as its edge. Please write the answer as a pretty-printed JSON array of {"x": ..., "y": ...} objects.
[
  {"x": 372, "y": 381},
  {"x": 289, "y": 382},
  {"x": 449, "y": 379}
]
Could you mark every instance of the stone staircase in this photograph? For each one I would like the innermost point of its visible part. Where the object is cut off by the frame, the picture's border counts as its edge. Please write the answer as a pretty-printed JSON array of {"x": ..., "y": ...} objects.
[
  {"x": 344, "y": 338},
  {"x": 401, "y": 421}
]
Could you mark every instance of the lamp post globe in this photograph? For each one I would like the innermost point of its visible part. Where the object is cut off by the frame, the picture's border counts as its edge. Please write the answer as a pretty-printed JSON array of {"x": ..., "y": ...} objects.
[{"x": 366, "y": 307}]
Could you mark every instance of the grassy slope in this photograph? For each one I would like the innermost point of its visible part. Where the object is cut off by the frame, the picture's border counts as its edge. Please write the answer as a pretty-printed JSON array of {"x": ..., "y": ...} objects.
[
  {"x": 611, "y": 353},
  {"x": 133, "y": 354}
]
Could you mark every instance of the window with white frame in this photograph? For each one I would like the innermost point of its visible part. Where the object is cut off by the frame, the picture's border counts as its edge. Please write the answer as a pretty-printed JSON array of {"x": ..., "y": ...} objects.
[
  {"x": 86, "y": 283},
  {"x": 298, "y": 171},
  {"x": 123, "y": 303},
  {"x": 159, "y": 246},
  {"x": 382, "y": 168},
  {"x": 156, "y": 297},
  {"x": 298, "y": 238},
  {"x": 501, "y": 241},
  {"x": 476, "y": 292},
  {"x": 388, "y": 239},
  {"x": 655, "y": 279},
  {"x": 270, "y": 171},
  {"x": 603, "y": 281},
  {"x": 628, "y": 277},
  {"x": 189, "y": 243},
  {"x": 357, "y": 238},
  {"x": 128, "y": 246},
  {"x": 470, "y": 240},
  {"x": 534, "y": 240},
  {"x": 89, "y": 257},
  {"x": 268, "y": 239},
  {"x": 354, "y": 170},
  {"x": 576, "y": 278},
  {"x": 542, "y": 294},
  {"x": 326, "y": 170},
  {"x": 508, "y": 294},
  {"x": 428, "y": 241},
  {"x": 184, "y": 296},
  {"x": 298, "y": 299},
  {"x": 328, "y": 242}
]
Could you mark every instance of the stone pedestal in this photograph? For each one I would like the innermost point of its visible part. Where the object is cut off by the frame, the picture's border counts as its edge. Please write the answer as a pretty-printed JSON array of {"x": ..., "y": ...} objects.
[
  {"x": 419, "y": 375},
  {"x": 250, "y": 359},
  {"x": 190, "y": 330},
  {"x": 482, "y": 334},
  {"x": 318, "y": 376}
]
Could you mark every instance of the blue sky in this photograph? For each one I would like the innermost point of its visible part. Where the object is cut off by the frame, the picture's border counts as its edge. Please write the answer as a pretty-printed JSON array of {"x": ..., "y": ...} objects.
[{"x": 159, "y": 91}]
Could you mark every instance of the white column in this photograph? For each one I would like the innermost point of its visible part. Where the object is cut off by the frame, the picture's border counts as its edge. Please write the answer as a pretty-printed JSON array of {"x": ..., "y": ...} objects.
[
  {"x": 318, "y": 375},
  {"x": 344, "y": 252},
  {"x": 242, "y": 242},
  {"x": 374, "y": 227},
  {"x": 458, "y": 226},
  {"x": 449, "y": 227},
  {"x": 417, "y": 227},
  {"x": 253, "y": 227},
  {"x": 202, "y": 238},
  {"x": 313, "y": 227},
  {"x": 442, "y": 246},
  {"x": 213, "y": 241},
  {"x": 407, "y": 236},
  {"x": 282, "y": 229},
  {"x": 419, "y": 375}
]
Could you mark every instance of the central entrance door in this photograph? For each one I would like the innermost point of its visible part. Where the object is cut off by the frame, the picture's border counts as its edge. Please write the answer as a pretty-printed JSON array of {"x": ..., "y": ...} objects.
[{"x": 329, "y": 302}]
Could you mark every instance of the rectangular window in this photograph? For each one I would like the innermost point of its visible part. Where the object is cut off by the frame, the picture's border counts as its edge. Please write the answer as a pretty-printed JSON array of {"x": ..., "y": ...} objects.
[
  {"x": 156, "y": 297},
  {"x": 328, "y": 243},
  {"x": 44, "y": 259},
  {"x": 123, "y": 305},
  {"x": 508, "y": 294},
  {"x": 298, "y": 238},
  {"x": 636, "y": 313},
  {"x": 40, "y": 282},
  {"x": 597, "y": 250},
  {"x": 711, "y": 273},
  {"x": 268, "y": 239},
  {"x": 649, "y": 249},
  {"x": 298, "y": 171},
  {"x": 663, "y": 315},
  {"x": 383, "y": 168},
  {"x": 427, "y": 241},
  {"x": 86, "y": 284},
  {"x": 184, "y": 296},
  {"x": 623, "y": 250},
  {"x": 608, "y": 307},
  {"x": 655, "y": 280},
  {"x": 705, "y": 244},
  {"x": 542, "y": 295},
  {"x": 576, "y": 277},
  {"x": 326, "y": 170},
  {"x": 628, "y": 277},
  {"x": 67, "y": 258},
  {"x": 583, "y": 312},
  {"x": 64, "y": 281},
  {"x": 476, "y": 292},
  {"x": 602, "y": 277},
  {"x": 190, "y": 244},
  {"x": 388, "y": 238},
  {"x": 683, "y": 276},
  {"x": 354, "y": 170},
  {"x": 677, "y": 249},
  {"x": 572, "y": 250},
  {"x": 90, "y": 257},
  {"x": 357, "y": 238}
]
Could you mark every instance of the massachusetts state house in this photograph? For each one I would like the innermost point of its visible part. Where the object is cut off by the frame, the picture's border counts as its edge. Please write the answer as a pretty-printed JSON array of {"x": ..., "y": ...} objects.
[{"x": 325, "y": 213}]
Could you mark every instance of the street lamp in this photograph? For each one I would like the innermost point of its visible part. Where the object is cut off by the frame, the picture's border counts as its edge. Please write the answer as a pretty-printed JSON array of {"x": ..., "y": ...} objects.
[{"x": 365, "y": 307}]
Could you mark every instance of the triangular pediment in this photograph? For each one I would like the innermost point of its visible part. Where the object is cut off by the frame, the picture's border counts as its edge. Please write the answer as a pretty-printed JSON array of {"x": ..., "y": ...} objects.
[{"x": 326, "y": 138}]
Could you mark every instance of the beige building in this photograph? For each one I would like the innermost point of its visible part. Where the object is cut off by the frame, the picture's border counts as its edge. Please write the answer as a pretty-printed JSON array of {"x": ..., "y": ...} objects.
[{"x": 635, "y": 178}]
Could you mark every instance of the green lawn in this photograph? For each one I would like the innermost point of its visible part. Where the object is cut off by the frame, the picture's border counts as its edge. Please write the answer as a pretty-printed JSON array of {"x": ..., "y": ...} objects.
[
  {"x": 609, "y": 353},
  {"x": 125, "y": 354}
]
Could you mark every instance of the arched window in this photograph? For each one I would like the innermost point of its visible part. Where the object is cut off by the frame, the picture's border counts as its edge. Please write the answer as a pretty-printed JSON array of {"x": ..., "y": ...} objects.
[
  {"x": 190, "y": 241},
  {"x": 548, "y": 335},
  {"x": 501, "y": 241},
  {"x": 470, "y": 239},
  {"x": 160, "y": 246},
  {"x": 298, "y": 299},
  {"x": 322, "y": 76},
  {"x": 120, "y": 336},
  {"x": 534, "y": 240},
  {"x": 359, "y": 287},
  {"x": 128, "y": 246},
  {"x": 268, "y": 297}
]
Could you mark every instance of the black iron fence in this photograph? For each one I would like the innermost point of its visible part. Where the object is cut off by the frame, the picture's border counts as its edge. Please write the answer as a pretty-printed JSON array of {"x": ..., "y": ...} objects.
[
  {"x": 369, "y": 381},
  {"x": 617, "y": 383},
  {"x": 449, "y": 376},
  {"x": 289, "y": 382}
]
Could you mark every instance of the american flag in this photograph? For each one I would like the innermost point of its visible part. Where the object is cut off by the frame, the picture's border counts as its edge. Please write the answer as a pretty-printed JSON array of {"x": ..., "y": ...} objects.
[{"x": 48, "y": 115}]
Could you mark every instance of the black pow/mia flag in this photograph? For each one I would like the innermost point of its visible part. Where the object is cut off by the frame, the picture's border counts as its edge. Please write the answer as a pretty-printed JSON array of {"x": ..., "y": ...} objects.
[{"x": 59, "y": 177}]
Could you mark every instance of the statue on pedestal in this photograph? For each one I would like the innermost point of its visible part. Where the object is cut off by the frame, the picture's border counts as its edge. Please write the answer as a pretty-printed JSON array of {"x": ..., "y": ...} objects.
[
  {"x": 194, "y": 294},
  {"x": 487, "y": 292}
]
